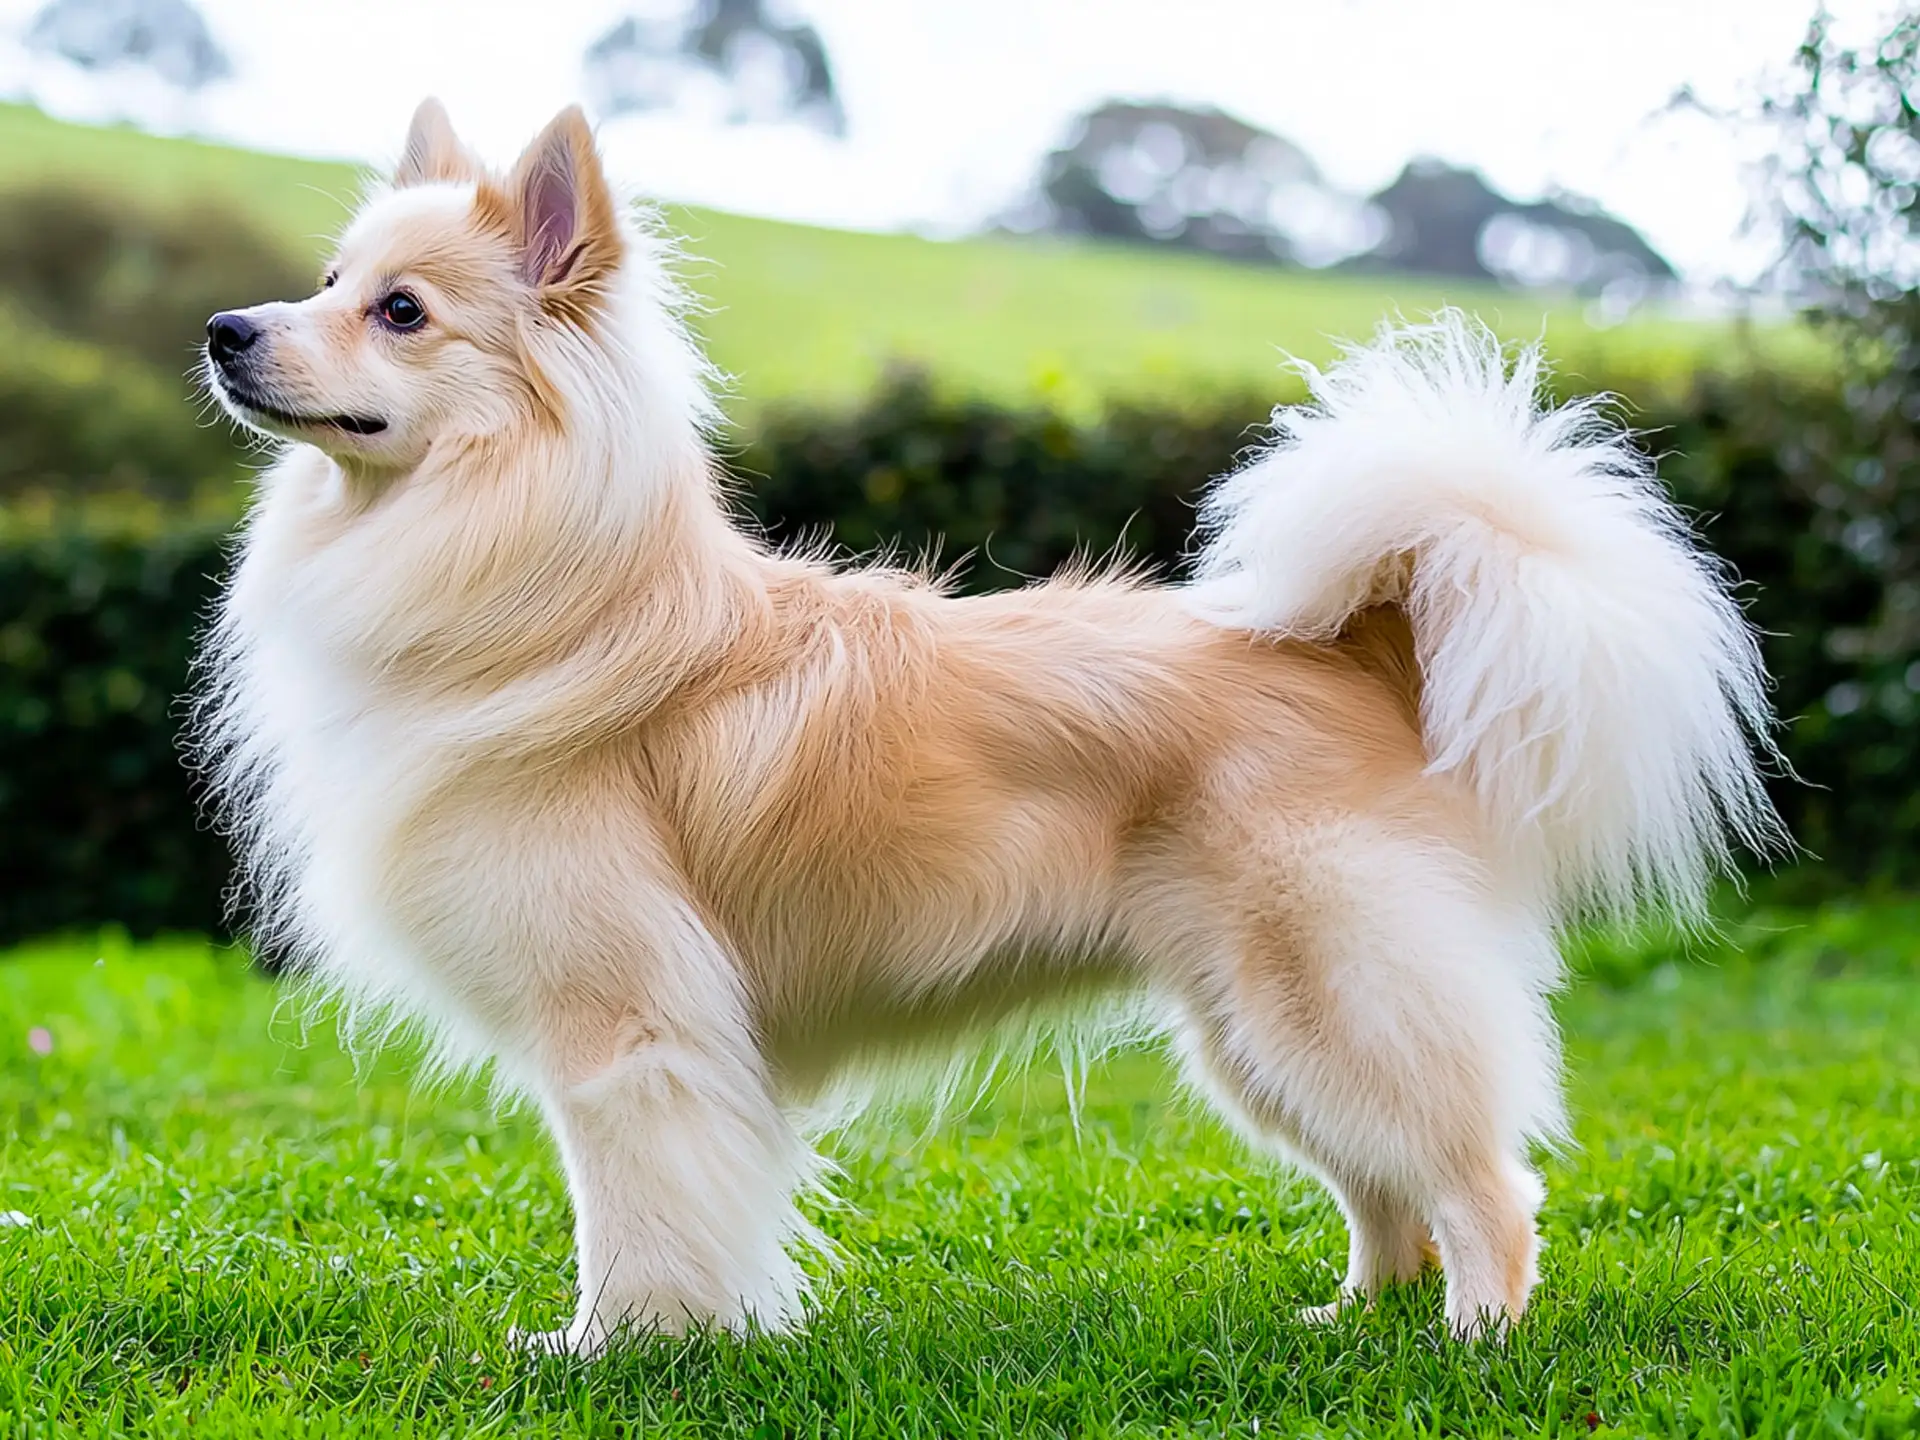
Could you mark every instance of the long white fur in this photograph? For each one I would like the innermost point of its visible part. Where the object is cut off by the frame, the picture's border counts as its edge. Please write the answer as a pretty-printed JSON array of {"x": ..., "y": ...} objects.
[{"x": 1583, "y": 664}]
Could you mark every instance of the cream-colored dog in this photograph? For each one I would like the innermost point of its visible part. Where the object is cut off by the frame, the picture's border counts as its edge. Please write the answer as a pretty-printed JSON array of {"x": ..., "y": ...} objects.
[{"x": 525, "y": 739}]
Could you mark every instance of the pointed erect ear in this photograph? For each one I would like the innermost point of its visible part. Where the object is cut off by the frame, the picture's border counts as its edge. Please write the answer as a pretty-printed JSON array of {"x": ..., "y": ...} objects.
[
  {"x": 562, "y": 214},
  {"x": 433, "y": 152}
]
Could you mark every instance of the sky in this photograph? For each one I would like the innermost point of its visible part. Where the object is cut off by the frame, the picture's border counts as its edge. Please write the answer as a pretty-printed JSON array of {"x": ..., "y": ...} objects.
[{"x": 950, "y": 106}]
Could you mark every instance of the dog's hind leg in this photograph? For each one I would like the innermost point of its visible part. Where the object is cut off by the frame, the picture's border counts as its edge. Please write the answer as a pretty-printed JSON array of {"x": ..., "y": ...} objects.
[{"x": 1375, "y": 1015}]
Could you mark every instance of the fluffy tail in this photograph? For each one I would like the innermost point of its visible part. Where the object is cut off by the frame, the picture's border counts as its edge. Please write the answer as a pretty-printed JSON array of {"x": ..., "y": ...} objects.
[{"x": 1583, "y": 667}]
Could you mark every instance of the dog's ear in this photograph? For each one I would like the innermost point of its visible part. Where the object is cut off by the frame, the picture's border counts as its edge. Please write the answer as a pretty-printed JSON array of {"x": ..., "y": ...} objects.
[
  {"x": 433, "y": 152},
  {"x": 561, "y": 213}
]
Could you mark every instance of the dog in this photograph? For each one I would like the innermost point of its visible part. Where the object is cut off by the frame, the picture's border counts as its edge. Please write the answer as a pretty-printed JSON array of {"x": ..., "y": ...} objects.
[{"x": 525, "y": 740}]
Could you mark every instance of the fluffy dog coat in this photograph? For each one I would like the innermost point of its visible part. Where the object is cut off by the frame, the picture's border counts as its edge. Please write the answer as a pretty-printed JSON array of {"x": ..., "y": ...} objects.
[{"x": 526, "y": 740}]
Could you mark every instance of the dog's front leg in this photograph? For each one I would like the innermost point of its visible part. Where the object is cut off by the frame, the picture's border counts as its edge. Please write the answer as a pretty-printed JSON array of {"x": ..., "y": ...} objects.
[{"x": 683, "y": 1172}]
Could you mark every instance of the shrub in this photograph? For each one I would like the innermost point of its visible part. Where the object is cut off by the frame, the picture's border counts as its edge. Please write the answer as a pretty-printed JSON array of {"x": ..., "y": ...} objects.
[
  {"x": 98, "y": 822},
  {"x": 78, "y": 418},
  {"x": 102, "y": 304},
  {"x": 1006, "y": 495}
]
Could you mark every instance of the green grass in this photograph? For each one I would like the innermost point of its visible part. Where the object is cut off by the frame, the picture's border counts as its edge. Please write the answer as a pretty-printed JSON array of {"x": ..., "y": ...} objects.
[
  {"x": 230, "y": 1236},
  {"x": 812, "y": 315}
]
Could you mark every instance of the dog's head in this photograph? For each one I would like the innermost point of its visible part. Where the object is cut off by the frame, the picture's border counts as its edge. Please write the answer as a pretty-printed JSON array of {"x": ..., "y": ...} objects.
[{"x": 430, "y": 315}]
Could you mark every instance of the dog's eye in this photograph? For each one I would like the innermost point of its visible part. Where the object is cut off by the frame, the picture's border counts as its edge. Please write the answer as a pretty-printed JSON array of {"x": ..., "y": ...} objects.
[
  {"x": 402, "y": 311},
  {"x": 326, "y": 281}
]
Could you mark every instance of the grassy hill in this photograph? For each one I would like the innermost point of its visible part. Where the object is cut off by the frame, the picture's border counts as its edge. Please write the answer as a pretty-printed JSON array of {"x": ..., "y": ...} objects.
[{"x": 796, "y": 312}]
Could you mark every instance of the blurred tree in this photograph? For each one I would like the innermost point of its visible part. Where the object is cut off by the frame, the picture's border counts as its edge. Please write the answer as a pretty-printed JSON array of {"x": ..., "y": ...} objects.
[
  {"x": 1195, "y": 178},
  {"x": 765, "y": 67},
  {"x": 1843, "y": 186},
  {"x": 167, "y": 37},
  {"x": 1443, "y": 220},
  {"x": 1204, "y": 180}
]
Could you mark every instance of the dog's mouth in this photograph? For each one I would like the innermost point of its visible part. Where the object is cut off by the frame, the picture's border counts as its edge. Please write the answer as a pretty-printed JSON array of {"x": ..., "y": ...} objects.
[{"x": 352, "y": 424}]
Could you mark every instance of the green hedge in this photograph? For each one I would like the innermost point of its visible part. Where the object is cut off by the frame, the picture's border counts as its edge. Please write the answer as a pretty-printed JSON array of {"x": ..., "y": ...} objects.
[
  {"x": 81, "y": 418},
  {"x": 97, "y": 822},
  {"x": 1007, "y": 494}
]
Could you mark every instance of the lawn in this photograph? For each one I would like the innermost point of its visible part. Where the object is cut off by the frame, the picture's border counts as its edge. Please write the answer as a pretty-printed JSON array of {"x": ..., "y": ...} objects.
[
  {"x": 219, "y": 1232},
  {"x": 798, "y": 313}
]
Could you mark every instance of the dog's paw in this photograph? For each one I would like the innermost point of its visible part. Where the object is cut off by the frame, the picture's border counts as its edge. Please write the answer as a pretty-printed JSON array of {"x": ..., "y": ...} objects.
[
  {"x": 1331, "y": 1311},
  {"x": 584, "y": 1340}
]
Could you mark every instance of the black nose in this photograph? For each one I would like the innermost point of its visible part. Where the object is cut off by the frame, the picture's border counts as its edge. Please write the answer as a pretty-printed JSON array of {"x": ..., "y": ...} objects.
[{"x": 229, "y": 335}]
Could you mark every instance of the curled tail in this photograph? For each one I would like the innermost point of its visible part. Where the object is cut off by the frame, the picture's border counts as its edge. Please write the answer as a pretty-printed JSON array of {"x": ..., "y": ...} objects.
[{"x": 1583, "y": 667}]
